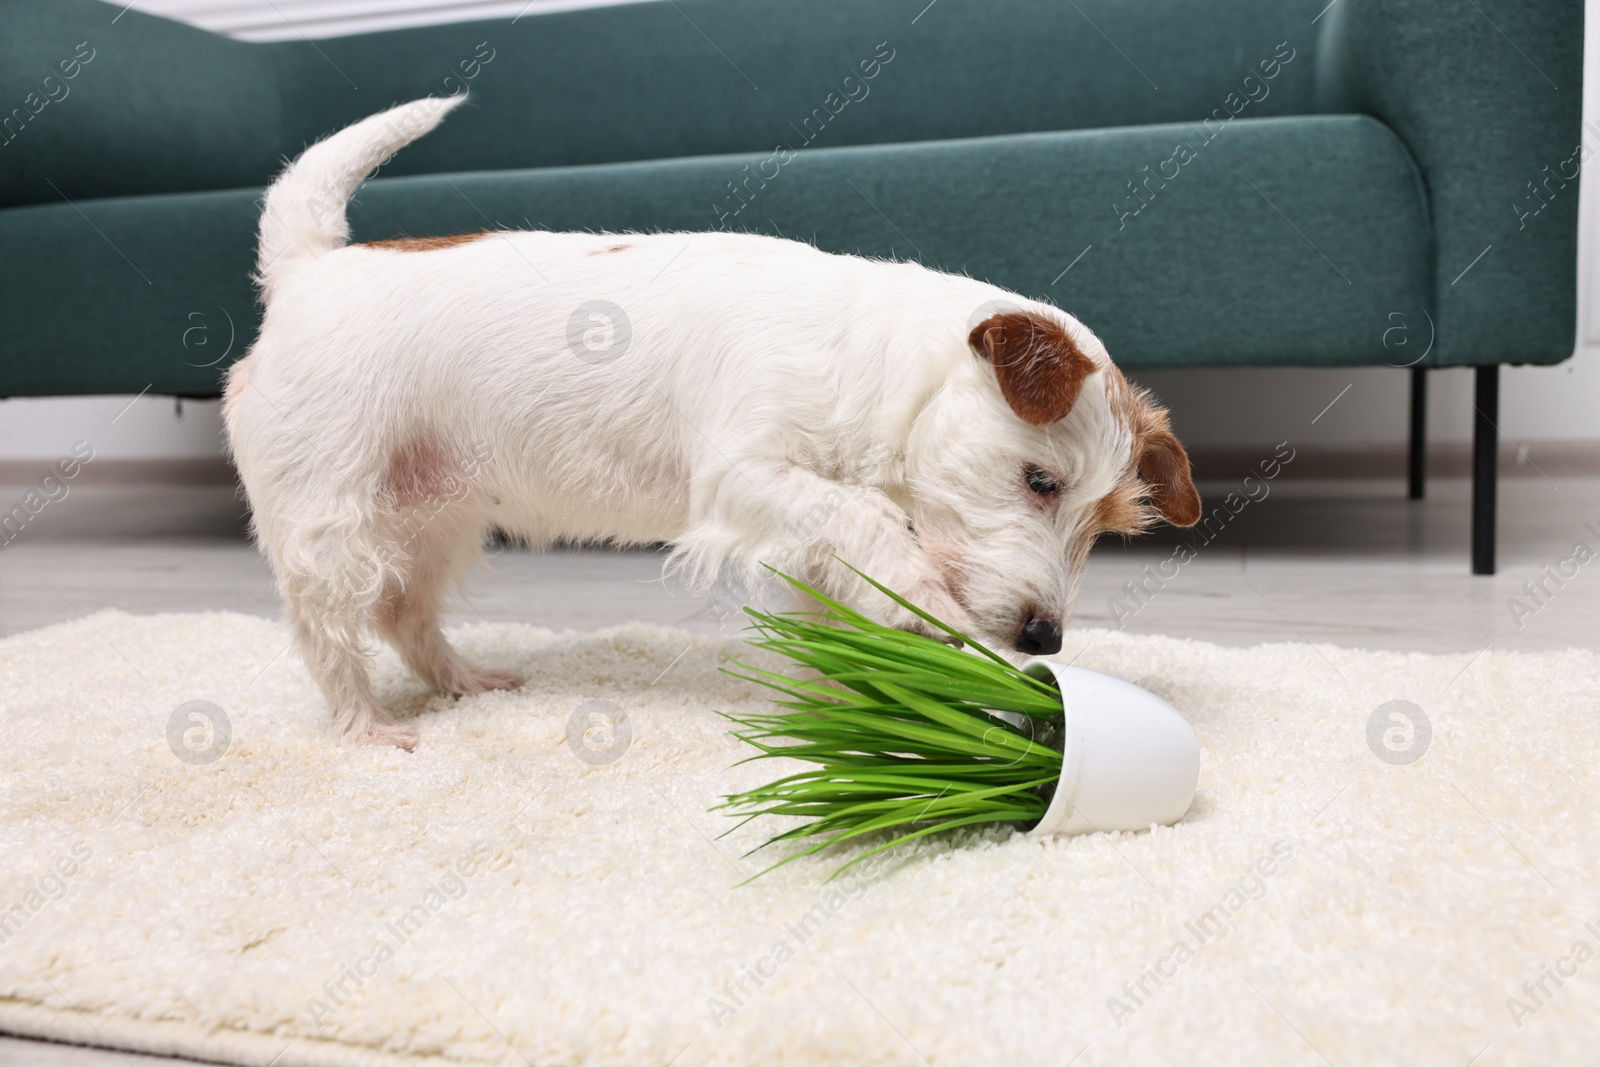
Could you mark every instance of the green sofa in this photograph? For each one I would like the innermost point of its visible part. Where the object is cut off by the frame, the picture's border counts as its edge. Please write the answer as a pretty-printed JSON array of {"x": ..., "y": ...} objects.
[{"x": 1235, "y": 183}]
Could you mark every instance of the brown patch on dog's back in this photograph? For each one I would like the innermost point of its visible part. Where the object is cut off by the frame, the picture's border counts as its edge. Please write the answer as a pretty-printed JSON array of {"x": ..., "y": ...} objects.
[
  {"x": 425, "y": 244},
  {"x": 613, "y": 248},
  {"x": 1040, "y": 367}
]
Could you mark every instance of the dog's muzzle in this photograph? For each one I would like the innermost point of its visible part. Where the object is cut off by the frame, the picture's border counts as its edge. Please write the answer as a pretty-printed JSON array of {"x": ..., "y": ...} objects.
[{"x": 1039, "y": 637}]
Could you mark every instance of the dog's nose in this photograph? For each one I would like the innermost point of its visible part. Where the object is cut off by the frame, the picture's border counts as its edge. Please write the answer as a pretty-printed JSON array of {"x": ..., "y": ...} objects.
[{"x": 1039, "y": 637}]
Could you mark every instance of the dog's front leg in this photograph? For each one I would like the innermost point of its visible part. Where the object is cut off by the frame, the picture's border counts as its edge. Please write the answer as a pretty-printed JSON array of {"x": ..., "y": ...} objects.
[{"x": 808, "y": 526}]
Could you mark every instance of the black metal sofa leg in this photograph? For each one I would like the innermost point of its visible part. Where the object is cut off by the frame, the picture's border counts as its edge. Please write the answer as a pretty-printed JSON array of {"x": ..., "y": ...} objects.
[
  {"x": 1485, "y": 466},
  {"x": 1417, "y": 456}
]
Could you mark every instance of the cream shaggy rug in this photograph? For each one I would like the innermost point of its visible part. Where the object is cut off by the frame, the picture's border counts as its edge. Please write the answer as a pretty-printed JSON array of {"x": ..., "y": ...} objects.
[{"x": 1419, "y": 887}]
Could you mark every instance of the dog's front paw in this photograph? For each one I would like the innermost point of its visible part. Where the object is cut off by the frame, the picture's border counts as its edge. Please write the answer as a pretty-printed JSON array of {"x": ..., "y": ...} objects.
[{"x": 933, "y": 598}]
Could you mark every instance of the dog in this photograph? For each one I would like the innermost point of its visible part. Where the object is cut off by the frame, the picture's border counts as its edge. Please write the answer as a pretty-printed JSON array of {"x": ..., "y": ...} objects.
[{"x": 744, "y": 398}]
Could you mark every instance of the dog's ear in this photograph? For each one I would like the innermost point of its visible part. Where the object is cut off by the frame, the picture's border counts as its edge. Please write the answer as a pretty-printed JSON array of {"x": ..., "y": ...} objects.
[
  {"x": 1041, "y": 370},
  {"x": 1164, "y": 466}
]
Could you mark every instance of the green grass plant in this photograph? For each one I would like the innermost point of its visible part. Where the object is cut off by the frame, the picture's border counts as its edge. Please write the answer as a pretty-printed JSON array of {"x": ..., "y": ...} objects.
[{"x": 901, "y": 730}]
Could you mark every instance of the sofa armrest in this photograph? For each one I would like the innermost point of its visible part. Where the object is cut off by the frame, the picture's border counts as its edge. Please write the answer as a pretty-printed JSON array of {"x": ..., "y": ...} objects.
[{"x": 1487, "y": 96}]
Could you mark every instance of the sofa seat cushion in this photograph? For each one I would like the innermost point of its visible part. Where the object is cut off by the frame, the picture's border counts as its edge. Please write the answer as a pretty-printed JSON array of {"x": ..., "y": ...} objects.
[{"x": 1257, "y": 242}]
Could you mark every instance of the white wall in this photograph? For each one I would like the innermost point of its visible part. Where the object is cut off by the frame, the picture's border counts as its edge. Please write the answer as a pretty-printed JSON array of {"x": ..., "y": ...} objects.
[
  {"x": 1251, "y": 407},
  {"x": 117, "y": 427},
  {"x": 1220, "y": 408},
  {"x": 282, "y": 20}
]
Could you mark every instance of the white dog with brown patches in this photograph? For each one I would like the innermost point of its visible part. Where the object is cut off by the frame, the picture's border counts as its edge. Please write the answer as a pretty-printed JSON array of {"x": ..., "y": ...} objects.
[{"x": 745, "y": 398}]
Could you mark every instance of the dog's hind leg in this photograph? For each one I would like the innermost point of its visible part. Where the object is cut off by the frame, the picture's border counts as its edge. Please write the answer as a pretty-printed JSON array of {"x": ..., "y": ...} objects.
[
  {"x": 436, "y": 549},
  {"x": 331, "y": 576}
]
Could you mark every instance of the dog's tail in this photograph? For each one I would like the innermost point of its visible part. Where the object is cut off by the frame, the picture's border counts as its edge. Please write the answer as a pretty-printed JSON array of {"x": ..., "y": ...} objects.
[{"x": 303, "y": 214}]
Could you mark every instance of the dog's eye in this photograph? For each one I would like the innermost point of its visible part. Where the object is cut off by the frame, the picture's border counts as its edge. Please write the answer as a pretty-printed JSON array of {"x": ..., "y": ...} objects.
[{"x": 1040, "y": 481}]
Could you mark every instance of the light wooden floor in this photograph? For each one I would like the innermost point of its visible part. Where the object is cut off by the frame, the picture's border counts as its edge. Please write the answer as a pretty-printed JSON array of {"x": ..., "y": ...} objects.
[
  {"x": 1347, "y": 562},
  {"x": 1350, "y": 562}
]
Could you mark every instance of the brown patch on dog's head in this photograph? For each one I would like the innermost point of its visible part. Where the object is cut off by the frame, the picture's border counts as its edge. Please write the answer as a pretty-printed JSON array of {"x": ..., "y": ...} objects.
[
  {"x": 1158, "y": 483},
  {"x": 425, "y": 244},
  {"x": 613, "y": 248},
  {"x": 1155, "y": 487},
  {"x": 1123, "y": 511},
  {"x": 1164, "y": 465},
  {"x": 1040, "y": 368}
]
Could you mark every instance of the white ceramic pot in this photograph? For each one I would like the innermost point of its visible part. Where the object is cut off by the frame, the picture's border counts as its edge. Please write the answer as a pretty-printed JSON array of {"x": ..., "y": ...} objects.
[{"x": 1129, "y": 759}]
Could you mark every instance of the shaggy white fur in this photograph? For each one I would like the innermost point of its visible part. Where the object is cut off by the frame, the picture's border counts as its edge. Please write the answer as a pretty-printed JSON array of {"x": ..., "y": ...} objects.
[
  {"x": 752, "y": 400},
  {"x": 539, "y": 907}
]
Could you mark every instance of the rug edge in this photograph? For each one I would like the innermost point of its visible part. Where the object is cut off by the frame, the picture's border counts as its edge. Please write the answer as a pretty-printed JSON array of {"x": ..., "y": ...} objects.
[{"x": 165, "y": 1037}]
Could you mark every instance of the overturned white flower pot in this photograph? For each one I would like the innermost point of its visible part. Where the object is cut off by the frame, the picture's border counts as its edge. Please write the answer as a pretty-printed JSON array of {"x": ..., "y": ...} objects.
[
  {"x": 1129, "y": 760},
  {"x": 909, "y": 736}
]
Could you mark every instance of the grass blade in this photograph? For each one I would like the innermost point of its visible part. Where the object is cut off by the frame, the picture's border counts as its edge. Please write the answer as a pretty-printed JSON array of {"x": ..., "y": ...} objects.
[{"x": 898, "y": 730}]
